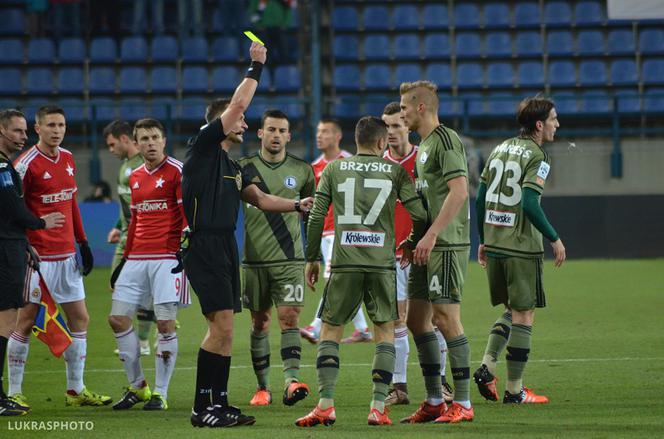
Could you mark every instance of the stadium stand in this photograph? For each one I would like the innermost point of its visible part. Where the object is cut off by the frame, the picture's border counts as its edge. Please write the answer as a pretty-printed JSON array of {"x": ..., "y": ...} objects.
[
  {"x": 12, "y": 51},
  {"x": 72, "y": 51}
]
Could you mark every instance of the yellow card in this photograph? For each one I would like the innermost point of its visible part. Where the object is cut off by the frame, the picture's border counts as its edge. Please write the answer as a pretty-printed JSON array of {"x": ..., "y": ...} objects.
[{"x": 253, "y": 37}]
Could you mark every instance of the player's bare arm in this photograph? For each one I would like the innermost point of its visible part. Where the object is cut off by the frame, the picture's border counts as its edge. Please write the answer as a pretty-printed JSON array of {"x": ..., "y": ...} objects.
[{"x": 270, "y": 203}]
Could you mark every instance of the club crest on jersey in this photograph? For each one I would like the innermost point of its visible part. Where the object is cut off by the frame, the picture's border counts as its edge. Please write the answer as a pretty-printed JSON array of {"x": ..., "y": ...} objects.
[
  {"x": 159, "y": 183},
  {"x": 128, "y": 172},
  {"x": 423, "y": 157},
  {"x": 36, "y": 293},
  {"x": 290, "y": 182},
  {"x": 70, "y": 170},
  {"x": 238, "y": 180}
]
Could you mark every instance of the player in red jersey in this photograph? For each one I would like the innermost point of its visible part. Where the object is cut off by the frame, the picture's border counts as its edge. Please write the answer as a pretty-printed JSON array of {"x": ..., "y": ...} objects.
[
  {"x": 401, "y": 151},
  {"x": 48, "y": 174},
  {"x": 144, "y": 278},
  {"x": 328, "y": 139}
]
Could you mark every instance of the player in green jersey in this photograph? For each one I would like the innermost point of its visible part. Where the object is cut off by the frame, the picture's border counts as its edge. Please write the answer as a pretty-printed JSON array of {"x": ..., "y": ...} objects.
[
  {"x": 119, "y": 137},
  {"x": 273, "y": 261},
  {"x": 363, "y": 190},
  {"x": 436, "y": 279},
  {"x": 511, "y": 223}
]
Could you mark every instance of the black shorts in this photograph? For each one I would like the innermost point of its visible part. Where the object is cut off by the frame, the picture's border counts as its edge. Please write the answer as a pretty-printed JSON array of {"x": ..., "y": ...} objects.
[
  {"x": 212, "y": 267},
  {"x": 13, "y": 269}
]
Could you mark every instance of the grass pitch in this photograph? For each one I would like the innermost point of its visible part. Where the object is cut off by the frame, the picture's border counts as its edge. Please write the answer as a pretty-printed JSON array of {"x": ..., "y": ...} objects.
[{"x": 598, "y": 354}]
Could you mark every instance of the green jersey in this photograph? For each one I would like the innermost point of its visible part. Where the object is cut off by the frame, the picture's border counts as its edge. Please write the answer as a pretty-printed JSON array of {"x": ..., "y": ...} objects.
[
  {"x": 363, "y": 190},
  {"x": 275, "y": 238},
  {"x": 513, "y": 165},
  {"x": 124, "y": 191},
  {"x": 440, "y": 158}
]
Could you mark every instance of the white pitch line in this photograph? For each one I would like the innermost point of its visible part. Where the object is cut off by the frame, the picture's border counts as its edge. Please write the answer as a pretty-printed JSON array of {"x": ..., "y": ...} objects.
[{"x": 304, "y": 366}]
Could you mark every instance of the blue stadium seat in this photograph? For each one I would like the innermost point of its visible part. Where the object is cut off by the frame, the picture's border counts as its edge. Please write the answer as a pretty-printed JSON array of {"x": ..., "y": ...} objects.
[
  {"x": 347, "y": 106},
  {"x": 629, "y": 101},
  {"x": 528, "y": 44},
  {"x": 500, "y": 74},
  {"x": 293, "y": 109},
  {"x": 346, "y": 77},
  {"x": 164, "y": 49},
  {"x": 449, "y": 106},
  {"x": 466, "y": 16},
  {"x": 498, "y": 45},
  {"x": 163, "y": 108},
  {"x": 469, "y": 75},
  {"x": 496, "y": 16},
  {"x": 194, "y": 49},
  {"x": 163, "y": 79},
  {"x": 133, "y": 108},
  {"x": 589, "y": 13},
  {"x": 406, "y": 17},
  {"x": 12, "y": 51},
  {"x": 559, "y": 43},
  {"x": 71, "y": 80},
  {"x": 566, "y": 102},
  {"x": 377, "y": 47},
  {"x": 468, "y": 45},
  {"x": 71, "y": 51},
  {"x": 435, "y": 17},
  {"x": 376, "y": 18},
  {"x": 287, "y": 79},
  {"x": 374, "y": 104},
  {"x": 102, "y": 80},
  {"x": 526, "y": 15},
  {"x": 346, "y": 48},
  {"x": 653, "y": 101},
  {"x": 407, "y": 72},
  {"x": 531, "y": 74},
  {"x": 592, "y": 73},
  {"x": 194, "y": 80},
  {"x": 193, "y": 109},
  {"x": 134, "y": 49},
  {"x": 10, "y": 82},
  {"x": 407, "y": 47},
  {"x": 653, "y": 71},
  {"x": 133, "y": 80},
  {"x": 502, "y": 104},
  {"x": 103, "y": 109},
  {"x": 377, "y": 77},
  {"x": 621, "y": 42},
  {"x": 651, "y": 42},
  {"x": 590, "y": 42},
  {"x": 258, "y": 107},
  {"x": 225, "y": 49},
  {"x": 595, "y": 102},
  {"x": 12, "y": 22},
  {"x": 561, "y": 74},
  {"x": 557, "y": 13},
  {"x": 41, "y": 50},
  {"x": 103, "y": 50},
  {"x": 623, "y": 72},
  {"x": 440, "y": 74},
  {"x": 225, "y": 78},
  {"x": 345, "y": 18},
  {"x": 39, "y": 81},
  {"x": 75, "y": 109},
  {"x": 437, "y": 46},
  {"x": 472, "y": 103}
]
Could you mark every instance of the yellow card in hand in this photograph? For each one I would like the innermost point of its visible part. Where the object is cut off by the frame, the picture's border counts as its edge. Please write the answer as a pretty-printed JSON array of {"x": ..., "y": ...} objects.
[{"x": 253, "y": 37}]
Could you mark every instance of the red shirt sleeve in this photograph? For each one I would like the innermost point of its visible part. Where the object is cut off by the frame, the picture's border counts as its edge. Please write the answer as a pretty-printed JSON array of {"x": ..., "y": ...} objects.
[{"x": 79, "y": 231}]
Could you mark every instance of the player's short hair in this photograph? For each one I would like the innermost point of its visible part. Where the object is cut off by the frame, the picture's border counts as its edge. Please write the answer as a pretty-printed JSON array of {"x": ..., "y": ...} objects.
[
  {"x": 46, "y": 110},
  {"x": 118, "y": 128},
  {"x": 368, "y": 130},
  {"x": 429, "y": 95},
  {"x": 215, "y": 108},
  {"x": 8, "y": 114},
  {"x": 392, "y": 108},
  {"x": 332, "y": 121},
  {"x": 273, "y": 113},
  {"x": 531, "y": 110},
  {"x": 146, "y": 124}
]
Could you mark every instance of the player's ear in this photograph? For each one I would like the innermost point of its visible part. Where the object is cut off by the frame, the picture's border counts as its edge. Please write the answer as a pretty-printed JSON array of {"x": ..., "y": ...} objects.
[
  {"x": 288, "y": 137},
  {"x": 260, "y": 133}
]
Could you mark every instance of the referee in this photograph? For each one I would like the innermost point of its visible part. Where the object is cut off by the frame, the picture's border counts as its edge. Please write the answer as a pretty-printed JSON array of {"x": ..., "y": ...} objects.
[
  {"x": 14, "y": 219},
  {"x": 212, "y": 187}
]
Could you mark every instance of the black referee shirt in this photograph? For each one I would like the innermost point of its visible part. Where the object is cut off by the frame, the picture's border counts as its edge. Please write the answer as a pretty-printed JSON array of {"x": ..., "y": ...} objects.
[
  {"x": 14, "y": 214},
  {"x": 211, "y": 182}
]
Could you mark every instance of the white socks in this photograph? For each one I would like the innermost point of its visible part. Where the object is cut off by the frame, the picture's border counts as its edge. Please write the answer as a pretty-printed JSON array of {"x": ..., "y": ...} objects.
[
  {"x": 75, "y": 361},
  {"x": 130, "y": 355},
  {"x": 167, "y": 353},
  {"x": 17, "y": 355},
  {"x": 443, "y": 350},
  {"x": 402, "y": 349}
]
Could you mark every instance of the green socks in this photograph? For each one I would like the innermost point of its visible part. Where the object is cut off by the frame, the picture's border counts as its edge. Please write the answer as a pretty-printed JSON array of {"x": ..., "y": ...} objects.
[
  {"x": 381, "y": 372},
  {"x": 327, "y": 367},
  {"x": 260, "y": 358},
  {"x": 291, "y": 351},
  {"x": 428, "y": 352},
  {"x": 500, "y": 333},
  {"x": 518, "y": 349},
  {"x": 458, "y": 352}
]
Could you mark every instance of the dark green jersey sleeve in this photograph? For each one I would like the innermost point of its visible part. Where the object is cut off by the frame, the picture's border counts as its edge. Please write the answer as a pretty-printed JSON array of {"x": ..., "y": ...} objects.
[
  {"x": 309, "y": 188},
  {"x": 317, "y": 215},
  {"x": 452, "y": 163},
  {"x": 536, "y": 172}
]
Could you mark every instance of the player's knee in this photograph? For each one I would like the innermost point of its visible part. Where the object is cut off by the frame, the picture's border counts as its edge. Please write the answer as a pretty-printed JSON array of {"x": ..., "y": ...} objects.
[
  {"x": 260, "y": 321},
  {"x": 119, "y": 323},
  {"x": 165, "y": 326},
  {"x": 288, "y": 317}
]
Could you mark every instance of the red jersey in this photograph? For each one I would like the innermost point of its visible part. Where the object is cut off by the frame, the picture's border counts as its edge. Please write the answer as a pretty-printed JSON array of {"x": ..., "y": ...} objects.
[
  {"x": 402, "y": 221},
  {"x": 49, "y": 186},
  {"x": 157, "y": 218},
  {"x": 319, "y": 165}
]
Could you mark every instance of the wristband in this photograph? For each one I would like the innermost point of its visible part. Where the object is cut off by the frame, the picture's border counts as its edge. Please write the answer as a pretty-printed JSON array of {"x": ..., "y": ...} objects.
[
  {"x": 254, "y": 71},
  {"x": 297, "y": 206}
]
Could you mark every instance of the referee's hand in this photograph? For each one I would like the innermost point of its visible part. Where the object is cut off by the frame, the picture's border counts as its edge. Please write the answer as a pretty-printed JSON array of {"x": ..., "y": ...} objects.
[
  {"x": 258, "y": 52},
  {"x": 306, "y": 204}
]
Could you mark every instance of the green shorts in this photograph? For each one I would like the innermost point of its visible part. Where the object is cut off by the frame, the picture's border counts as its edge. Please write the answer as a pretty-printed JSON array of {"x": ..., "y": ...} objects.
[
  {"x": 119, "y": 251},
  {"x": 281, "y": 285},
  {"x": 516, "y": 282},
  {"x": 441, "y": 281},
  {"x": 346, "y": 291}
]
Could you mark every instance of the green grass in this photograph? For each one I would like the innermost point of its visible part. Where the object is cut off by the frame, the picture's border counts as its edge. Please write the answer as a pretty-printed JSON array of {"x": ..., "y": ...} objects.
[{"x": 598, "y": 353}]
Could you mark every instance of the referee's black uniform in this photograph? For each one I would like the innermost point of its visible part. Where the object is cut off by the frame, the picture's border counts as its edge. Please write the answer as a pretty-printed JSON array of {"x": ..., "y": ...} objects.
[
  {"x": 211, "y": 186},
  {"x": 14, "y": 219}
]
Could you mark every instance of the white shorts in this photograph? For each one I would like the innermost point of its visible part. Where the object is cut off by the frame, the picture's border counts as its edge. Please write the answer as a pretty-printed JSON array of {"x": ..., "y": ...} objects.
[
  {"x": 63, "y": 279},
  {"x": 402, "y": 282},
  {"x": 148, "y": 282},
  {"x": 326, "y": 245}
]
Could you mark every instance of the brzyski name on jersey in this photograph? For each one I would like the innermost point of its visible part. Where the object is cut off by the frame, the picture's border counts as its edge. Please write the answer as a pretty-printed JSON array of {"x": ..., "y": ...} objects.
[{"x": 358, "y": 166}]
